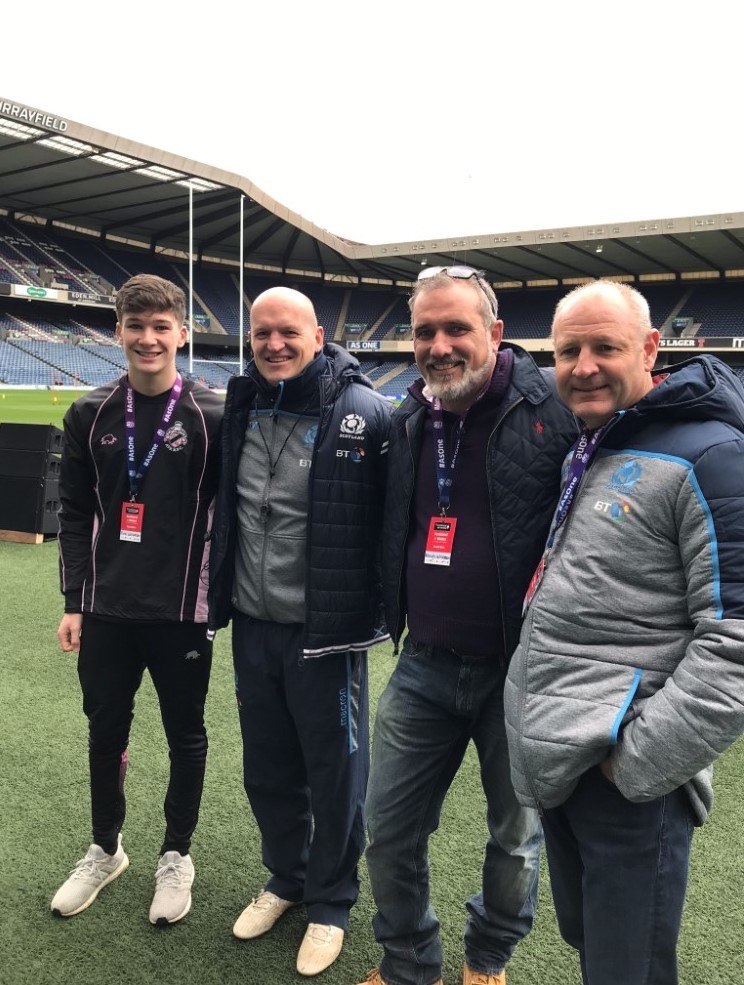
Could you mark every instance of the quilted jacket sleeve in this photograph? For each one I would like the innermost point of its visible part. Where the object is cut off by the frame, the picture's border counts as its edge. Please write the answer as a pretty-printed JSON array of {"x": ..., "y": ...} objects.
[
  {"x": 77, "y": 510},
  {"x": 699, "y": 711}
]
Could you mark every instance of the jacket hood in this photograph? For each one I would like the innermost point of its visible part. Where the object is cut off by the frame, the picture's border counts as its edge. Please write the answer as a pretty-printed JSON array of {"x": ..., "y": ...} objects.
[
  {"x": 343, "y": 364},
  {"x": 699, "y": 389},
  {"x": 295, "y": 391}
]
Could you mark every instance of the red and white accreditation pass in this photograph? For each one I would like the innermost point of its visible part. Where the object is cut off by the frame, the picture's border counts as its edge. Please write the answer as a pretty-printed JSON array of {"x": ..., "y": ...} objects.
[
  {"x": 534, "y": 584},
  {"x": 132, "y": 512},
  {"x": 132, "y": 515},
  {"x": 439, "y": 540}
]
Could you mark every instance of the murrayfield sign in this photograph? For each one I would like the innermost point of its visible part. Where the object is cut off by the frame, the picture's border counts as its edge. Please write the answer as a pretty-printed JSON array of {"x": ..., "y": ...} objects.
[{"x": 24, "y": 114}]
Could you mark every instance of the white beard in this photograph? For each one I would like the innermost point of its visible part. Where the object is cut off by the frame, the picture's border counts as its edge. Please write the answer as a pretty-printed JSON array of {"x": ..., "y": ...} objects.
[{"x": 468, "y": 386}]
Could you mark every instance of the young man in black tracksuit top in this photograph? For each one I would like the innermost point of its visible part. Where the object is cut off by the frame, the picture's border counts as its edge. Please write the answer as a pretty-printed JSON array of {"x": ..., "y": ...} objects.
[{"x": 137, "y": 484}]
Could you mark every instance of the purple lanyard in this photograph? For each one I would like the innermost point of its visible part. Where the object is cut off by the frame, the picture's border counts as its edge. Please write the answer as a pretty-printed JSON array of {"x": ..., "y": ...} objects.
[
  {"x": 137, "y": 474},
  {"x": 445, "y": 468},
  {"x": 584, "y": 452}
]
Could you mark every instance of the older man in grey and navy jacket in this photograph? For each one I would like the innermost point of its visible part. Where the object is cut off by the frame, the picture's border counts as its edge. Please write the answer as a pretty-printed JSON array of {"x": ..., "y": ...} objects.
[{"x": 629, "y": 677}]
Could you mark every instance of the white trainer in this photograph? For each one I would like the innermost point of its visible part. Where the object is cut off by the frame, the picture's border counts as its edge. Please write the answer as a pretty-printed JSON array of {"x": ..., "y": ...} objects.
[
  {"x": 173, "y": 880},
  {"x": 87, "y": 879}
]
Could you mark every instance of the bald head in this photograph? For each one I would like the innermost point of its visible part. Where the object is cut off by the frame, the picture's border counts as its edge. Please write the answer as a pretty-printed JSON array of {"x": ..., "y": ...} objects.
[
  {"x": 286, "y": 297},
  {"x": 285, "y": 335}
]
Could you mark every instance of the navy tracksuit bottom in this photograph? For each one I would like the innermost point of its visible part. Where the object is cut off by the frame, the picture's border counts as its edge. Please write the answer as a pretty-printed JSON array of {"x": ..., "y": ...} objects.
[{"x": 305, "y": 728}]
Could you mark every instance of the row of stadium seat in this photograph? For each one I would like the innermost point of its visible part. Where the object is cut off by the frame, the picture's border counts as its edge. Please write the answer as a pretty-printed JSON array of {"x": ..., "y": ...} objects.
[{"x": 29, "y": 255}]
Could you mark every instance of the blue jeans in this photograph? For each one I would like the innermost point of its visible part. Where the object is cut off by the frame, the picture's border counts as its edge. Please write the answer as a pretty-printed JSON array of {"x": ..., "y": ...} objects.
[
  {"x": 434, "y": 703},
  {"x": 618, "y": 872}
]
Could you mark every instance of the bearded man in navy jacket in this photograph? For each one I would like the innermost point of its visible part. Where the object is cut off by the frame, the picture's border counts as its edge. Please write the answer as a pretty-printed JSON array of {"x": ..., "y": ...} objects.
[{"x": 475, "y": 456}]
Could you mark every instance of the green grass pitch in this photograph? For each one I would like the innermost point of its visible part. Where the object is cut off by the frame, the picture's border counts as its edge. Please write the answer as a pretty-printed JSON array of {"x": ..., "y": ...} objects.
[
  {"x": 35, "y": 406},
  {"x": 45, "y": 825}
]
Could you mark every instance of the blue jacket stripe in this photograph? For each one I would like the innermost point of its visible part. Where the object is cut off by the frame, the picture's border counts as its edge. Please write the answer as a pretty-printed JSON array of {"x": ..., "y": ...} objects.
[
  {"x": 639, "y": 453},
  {"x": 625, "y": 705},
  {"x": 716, "y": 575}
]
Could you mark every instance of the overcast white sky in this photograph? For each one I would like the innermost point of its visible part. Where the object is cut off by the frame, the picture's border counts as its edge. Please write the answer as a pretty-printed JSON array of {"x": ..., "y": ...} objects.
[{"x": 397, "y": 119}]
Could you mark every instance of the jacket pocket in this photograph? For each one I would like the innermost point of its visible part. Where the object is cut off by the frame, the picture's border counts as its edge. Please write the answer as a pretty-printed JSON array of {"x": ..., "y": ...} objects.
[
  {"x": 615, "y": 730},
  {"x": 573, "y": 709}
]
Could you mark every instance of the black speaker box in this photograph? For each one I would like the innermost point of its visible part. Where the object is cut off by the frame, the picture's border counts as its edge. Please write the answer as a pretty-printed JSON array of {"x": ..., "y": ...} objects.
[
  {"x": 29, "y": 478},
  {"x": 31, "y": 437},
  {"x": 29, "y": 504},
  {"x": 29, "y": 464}
]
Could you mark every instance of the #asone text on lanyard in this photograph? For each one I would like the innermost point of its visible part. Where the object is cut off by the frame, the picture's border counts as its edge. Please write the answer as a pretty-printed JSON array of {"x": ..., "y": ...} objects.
[
  {"x": 445, "y": 468},
  {"x": 586, "y": 448},
  {"x": 132, "y": 512},
  {"x": 584, "y": 452},
  {"x": 136, "y": 475},
  {"x": 441, "y": 535}
]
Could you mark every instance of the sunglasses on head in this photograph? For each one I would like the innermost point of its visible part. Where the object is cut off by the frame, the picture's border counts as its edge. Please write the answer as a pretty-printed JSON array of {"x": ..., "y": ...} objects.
[{"x": 457, "y": 273}]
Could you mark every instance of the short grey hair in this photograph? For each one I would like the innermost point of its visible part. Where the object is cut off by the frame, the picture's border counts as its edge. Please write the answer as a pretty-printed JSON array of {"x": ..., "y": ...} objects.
[
  {"x": 488, "y": 304},
  {"x": 633, "y": 299}
]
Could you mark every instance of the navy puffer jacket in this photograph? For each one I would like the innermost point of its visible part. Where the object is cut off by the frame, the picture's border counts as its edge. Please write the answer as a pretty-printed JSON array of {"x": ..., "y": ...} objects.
[{"x": 343, "y": 601}]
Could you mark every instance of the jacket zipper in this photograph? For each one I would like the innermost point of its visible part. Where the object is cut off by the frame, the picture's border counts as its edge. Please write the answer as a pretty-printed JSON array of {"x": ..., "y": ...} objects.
[
  {"x": 398, "y": 630},
  {"x": 530, "y": 617},
  {"x": 495, "y": 428}
]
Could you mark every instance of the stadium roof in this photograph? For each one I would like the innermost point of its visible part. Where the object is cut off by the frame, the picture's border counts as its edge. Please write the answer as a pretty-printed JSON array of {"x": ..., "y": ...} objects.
[{"x": 71, "y": 176}]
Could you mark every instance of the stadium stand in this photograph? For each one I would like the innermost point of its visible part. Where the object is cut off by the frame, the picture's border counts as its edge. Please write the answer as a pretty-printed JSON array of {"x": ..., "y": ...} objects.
[
  {"x": 44, "y": 342},
  {"x": 210, "y": 371},
  {"x": 527, "y": 315},
  {"x": 21, "y": 368},
  {"x": 397, "y": 315},
  {"x": 716, "y": 312},
  {"x": 106, "y": 269},
  {"x": 223, "y": 306},
  {"x": 397, "y": 386},
  {"x": 76, "y": 363},
  {"x": 368, "y": 309},
  {"x": 43, "y": 260}
]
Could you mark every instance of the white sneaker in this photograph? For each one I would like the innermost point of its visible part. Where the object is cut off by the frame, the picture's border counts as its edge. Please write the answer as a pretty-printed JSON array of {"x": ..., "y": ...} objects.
[
  {"x": 320, "y": 947},
  {"x": 87, "y": 879},
  {"x": 260, "y": 915},
  {"x": 173, "y": 880}
]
